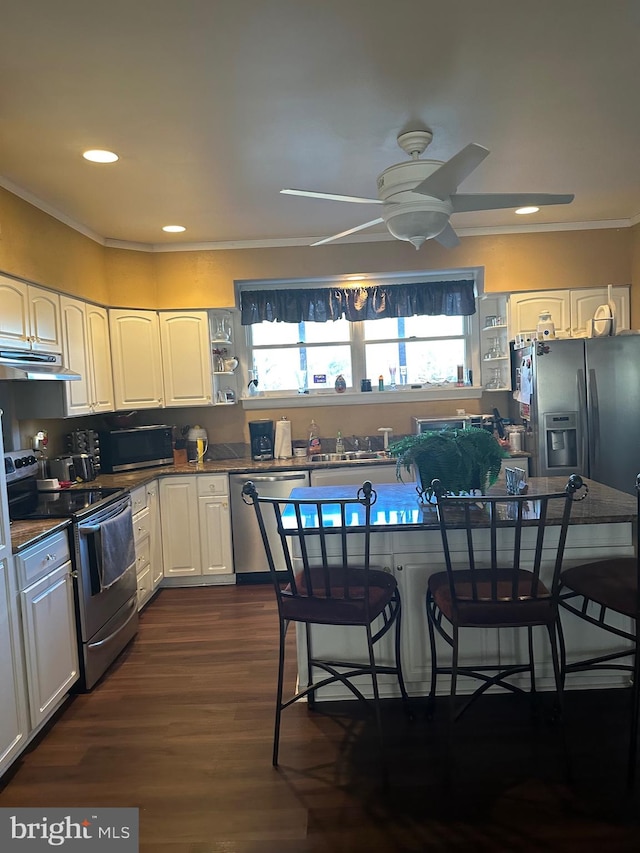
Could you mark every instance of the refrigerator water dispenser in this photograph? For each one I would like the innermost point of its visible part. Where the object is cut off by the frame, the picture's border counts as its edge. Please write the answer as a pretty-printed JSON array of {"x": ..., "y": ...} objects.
[{"x": 561, "y": 440}]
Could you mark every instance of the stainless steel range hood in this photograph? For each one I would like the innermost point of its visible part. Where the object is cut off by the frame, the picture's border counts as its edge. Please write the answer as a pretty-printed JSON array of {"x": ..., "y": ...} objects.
[{"x": 24, "y": 364}]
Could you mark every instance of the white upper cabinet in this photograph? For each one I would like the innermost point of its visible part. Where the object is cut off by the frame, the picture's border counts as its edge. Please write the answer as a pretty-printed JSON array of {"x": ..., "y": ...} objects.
[
  {"x": 136, "y": 359},
  {"x": 525, "y": 310},
  {"x": 102, "y": 399},
  {"x": 186, "y": 358},
  {"x": 87, "y": 350},
  {"x": 585, "y": 302},
  {"x": 570, "y": 310},
  {"x": 75, "y": 348},
  {"x": 29, "y": 317}
]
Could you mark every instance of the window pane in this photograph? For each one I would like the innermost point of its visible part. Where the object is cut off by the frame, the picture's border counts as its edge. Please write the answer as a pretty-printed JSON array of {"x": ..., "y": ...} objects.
[
  {"x": 334, "y": 330},
  {"x": 289, "y": 368},
  {"x": 425, "y": 361},
  {"x": 418, "y": 327},
  {"x": 275, "y": 333}
]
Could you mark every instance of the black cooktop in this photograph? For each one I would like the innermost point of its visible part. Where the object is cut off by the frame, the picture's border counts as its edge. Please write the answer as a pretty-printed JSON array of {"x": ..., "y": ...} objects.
[{"x": 64, "y": 503}]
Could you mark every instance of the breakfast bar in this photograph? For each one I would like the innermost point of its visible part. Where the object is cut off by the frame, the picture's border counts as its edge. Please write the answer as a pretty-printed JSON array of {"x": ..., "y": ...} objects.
[{"x": 406, "y": 542}]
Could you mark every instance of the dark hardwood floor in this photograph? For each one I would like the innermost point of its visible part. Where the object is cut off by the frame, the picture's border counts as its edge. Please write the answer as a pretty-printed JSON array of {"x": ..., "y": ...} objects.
[{"x": 181, "y": 727}]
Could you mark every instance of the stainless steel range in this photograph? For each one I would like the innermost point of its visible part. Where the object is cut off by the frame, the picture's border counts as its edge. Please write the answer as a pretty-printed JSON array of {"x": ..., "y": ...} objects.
[{"x": 106, "y": 604}]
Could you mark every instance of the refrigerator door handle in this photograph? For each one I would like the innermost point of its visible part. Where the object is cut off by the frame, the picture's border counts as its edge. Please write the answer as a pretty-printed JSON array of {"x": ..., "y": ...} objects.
[
  {"x": 593, "y": 411},
  {"x": 583, "y": 434}
]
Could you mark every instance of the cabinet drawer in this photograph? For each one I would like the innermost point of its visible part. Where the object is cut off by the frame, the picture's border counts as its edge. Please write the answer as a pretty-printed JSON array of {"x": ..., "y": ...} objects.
[
  {"x": 145, "y": 587},
  {"x": 37, "y": 561},
  {"x": 138, "y": 499},
  {"x": 143, "y": 554},
  {"x": 212, "y": 484},
  {"x": 142, "y": 524}
]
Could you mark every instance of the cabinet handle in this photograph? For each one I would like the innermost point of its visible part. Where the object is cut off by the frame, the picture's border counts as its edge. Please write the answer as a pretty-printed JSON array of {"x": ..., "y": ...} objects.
[
  {"x": 399, "y": 568},
  {"x": 51, "y": 557}
]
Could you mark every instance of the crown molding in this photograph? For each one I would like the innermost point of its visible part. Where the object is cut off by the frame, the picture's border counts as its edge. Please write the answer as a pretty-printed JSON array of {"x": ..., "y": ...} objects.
[{"x": 287, "y": 242}]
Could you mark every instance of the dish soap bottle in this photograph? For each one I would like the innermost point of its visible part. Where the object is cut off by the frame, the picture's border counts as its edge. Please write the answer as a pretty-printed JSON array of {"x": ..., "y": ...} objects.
[
  {"x": 339, "y": 443},
  {"x": 314, "y": 446}
]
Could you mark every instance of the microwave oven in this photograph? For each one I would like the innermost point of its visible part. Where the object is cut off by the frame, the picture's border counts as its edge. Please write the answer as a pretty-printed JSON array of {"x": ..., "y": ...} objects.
[
  {"x": 137, "y": 447},
  {"x": 460, "y": 422}
]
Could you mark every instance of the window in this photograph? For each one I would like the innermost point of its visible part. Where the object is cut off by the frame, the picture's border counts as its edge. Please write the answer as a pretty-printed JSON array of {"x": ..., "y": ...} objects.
[
  {"x": 421, "y": 349},
  {"x": 290, "y": 356},
  {"x": 405, "y": 351}
]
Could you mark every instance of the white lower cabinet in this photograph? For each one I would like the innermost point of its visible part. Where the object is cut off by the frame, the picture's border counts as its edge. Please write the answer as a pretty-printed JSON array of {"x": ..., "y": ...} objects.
[
  {"x": 196, "y": 528},
  {"x": 146, "y": 530},
  {"x": 214, "y": 517},
  {"x": 13, "y": 715},
  {"x": 155, "y": 557},
  {"x": 48, "y": 623}
]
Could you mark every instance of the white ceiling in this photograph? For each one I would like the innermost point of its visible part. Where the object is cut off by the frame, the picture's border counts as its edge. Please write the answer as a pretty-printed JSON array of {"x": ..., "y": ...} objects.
[{"x": 215, "y": 105}]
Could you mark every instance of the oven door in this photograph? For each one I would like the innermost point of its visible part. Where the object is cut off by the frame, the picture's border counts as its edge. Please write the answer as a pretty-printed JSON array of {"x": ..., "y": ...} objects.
[{"x": 97, "y": 606}]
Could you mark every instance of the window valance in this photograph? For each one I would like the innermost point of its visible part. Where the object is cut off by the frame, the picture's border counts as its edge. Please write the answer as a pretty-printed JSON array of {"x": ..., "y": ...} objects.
[{"x": 318, "y": 305}]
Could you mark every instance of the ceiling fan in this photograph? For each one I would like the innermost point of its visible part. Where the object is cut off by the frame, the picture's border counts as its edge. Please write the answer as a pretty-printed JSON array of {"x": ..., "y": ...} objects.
[{"x": 419, "y": 196}]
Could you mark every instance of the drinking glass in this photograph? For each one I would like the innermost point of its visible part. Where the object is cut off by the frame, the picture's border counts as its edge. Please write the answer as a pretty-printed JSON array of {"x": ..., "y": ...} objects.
[
  {"x": 392, "y": 378},
  {"x": 403, "y": 374}
]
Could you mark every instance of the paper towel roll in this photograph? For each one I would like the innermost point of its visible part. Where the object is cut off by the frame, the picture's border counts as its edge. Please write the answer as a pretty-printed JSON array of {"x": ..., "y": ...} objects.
[{"x": 283, "y": 439}]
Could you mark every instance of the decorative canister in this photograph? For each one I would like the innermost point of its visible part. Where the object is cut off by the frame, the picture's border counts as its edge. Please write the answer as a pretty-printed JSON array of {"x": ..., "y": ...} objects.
[{"x": 340, "y": 384}]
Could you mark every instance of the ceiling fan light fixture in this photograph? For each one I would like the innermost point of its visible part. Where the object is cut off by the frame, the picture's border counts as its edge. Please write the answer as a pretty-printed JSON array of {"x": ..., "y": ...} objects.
[
  {"x": 530, "y": 209},
  {"x": 415, "y": 224}
]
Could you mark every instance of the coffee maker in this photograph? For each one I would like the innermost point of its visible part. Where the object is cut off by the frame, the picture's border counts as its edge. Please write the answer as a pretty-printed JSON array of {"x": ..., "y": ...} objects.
[{"x": 261, "y": 436}]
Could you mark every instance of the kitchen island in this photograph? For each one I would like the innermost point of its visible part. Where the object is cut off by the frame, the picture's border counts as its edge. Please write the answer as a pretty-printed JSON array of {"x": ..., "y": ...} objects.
[{"x": 407, "y": 543}]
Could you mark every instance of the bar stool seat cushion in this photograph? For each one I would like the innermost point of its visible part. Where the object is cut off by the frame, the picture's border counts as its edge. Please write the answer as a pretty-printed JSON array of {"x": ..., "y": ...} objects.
[
  {"x": 334, "y": 606},
  {"x": 612, "y": 583},
  {"x": 533, "y": 604}
]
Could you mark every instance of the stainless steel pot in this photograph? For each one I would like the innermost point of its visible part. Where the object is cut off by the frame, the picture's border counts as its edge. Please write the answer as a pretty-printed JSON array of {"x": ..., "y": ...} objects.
[{"x": 83, "y": 467}]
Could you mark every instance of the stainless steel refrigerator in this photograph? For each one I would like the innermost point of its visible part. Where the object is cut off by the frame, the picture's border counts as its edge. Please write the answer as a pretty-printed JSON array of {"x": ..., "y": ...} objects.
[{"x": 580, "y": 400}]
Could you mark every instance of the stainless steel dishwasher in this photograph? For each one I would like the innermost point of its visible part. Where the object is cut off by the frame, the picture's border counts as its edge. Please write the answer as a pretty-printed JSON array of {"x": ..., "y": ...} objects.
[{"x": 248, "y": 551}]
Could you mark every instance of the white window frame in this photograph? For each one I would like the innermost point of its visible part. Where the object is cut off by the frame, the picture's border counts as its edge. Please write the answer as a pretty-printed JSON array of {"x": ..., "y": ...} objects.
[{"x": 291, "y": 399}]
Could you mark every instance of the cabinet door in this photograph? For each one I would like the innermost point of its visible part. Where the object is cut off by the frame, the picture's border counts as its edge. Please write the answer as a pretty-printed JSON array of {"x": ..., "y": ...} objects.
[
  {"x": 153, "y": 503},
  {"x": 135, "y": 353},
  {"x": 75, "y": 349},
  {"x": 50, "y": 641},
  {"x": 525, "y": 309},
  {"x": 102, "y": 399},
  {"x": 14, "y": 314},
  {"x": 44, "y": 312},
  {"x": 180, "y": 529},
  {"x": 412, "y": 574},
  {"x": 585, "y": 301},
  {"x": 186, "y": 359},
  {"x": 13, "y": 720},
  {"x": 215, "y": 535}
]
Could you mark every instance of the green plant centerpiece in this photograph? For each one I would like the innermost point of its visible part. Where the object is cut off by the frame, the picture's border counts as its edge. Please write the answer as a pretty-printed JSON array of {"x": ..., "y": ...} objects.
[{"x": 464, "y": 460}]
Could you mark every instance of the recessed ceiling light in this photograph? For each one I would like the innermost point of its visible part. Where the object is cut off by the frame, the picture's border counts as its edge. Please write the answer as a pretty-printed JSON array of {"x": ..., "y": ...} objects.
[
  {"x": 527, "y": 210},
  {"x": 98, "y": 155},
  {"x": 173, "y": 229}
]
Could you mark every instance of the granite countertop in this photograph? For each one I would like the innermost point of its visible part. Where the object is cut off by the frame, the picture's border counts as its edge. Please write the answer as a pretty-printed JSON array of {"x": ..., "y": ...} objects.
[
  {"x": 27, "y": 533},
  {"x": 397, "y": 506}
]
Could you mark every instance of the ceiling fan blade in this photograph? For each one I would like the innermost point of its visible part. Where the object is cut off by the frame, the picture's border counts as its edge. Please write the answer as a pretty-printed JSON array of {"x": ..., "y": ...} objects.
[
  {"x": 350, "y": 231},
  {"x": 445, "y": 180},
  {"x": 355, "y": 199},
  {"x": 448, "y": 238},
  {"x": 495, "y": 201}
]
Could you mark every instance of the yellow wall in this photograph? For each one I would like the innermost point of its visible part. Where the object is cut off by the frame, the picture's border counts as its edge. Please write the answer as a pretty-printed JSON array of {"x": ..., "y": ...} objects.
[
  {"x": 37, "y": 247},
  {"x": 41, "y": 249}
]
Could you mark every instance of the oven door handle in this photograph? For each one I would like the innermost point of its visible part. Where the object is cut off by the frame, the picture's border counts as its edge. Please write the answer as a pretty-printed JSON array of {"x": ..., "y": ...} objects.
[
  {"x": 87, "y": 529},
  {"x": 134, "y": 611}
]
